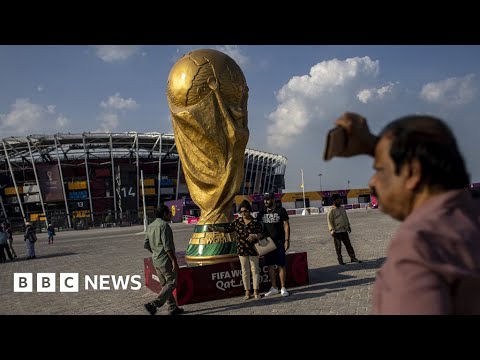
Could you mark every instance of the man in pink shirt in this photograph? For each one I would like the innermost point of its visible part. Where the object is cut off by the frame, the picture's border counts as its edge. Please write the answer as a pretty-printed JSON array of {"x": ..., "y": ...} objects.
[{"x": 433, "y": 260}]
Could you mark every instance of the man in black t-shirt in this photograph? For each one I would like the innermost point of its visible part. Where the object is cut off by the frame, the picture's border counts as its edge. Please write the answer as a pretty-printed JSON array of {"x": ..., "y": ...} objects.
[{"x": 276, "y": 225}]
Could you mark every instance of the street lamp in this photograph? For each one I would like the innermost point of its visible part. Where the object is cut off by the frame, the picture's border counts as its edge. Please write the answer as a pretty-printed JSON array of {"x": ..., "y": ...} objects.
[
  {"x": 348, "y": 186},
  {"x": 320, "y": 176}
]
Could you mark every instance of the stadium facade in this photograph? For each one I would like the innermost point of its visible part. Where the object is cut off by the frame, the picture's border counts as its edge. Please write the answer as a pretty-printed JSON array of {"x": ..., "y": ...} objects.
[{"x": 87, "y": 179}]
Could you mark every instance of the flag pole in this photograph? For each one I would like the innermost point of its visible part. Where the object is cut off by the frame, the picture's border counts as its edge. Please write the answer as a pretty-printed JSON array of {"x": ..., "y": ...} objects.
[
  {"x": 145, "y": 220},
  {"x": 304, "y": 212}
]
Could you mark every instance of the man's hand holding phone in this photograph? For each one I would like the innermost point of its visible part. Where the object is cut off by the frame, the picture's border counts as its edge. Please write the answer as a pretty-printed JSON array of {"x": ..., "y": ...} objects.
[{"x": 351, "y": 137}]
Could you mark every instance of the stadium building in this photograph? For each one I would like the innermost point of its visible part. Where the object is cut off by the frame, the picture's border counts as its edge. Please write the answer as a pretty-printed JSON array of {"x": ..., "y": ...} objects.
[{"x": 94, "y": 179}]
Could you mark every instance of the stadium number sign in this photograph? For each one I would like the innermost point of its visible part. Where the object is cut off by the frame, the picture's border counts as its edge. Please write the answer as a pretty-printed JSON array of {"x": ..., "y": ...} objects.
[{"x": 129, "y": 193}]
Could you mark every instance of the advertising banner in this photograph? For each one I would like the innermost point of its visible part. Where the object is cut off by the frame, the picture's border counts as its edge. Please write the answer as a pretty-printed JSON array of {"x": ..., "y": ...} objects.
[
  {"x": 223, "y": 280},
  {"x": 50, "y": 183}
]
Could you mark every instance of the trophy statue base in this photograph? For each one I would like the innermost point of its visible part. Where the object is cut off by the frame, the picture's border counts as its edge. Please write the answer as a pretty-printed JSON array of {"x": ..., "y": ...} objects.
[{"x": 206, "y": 247}]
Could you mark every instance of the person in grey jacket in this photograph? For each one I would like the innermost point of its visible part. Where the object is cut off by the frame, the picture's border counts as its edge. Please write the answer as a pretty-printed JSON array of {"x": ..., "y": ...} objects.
[{"x": 339, "y": 227}]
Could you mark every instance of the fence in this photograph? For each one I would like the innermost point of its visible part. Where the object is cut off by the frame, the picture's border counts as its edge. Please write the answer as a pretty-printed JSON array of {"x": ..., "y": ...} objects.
[
  {"x": 59, "y": 220},
  {"x": 350, "y": 207},
  {"x": 305, "y": 211}
]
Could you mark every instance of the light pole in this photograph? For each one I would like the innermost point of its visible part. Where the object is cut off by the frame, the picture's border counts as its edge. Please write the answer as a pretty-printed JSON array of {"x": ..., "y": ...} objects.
[
  {"x": 348, "y": 184},
  {"x": 320, "y": 176}
]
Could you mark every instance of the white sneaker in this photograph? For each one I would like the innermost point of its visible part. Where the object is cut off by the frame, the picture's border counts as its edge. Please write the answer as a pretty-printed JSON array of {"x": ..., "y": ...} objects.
[
  {"x": 284, "y": 292},
  {"x": 272, "y": 291}
]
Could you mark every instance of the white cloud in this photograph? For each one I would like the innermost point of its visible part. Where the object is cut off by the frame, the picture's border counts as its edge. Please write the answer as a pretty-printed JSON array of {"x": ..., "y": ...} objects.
[
  {"x": 27, "y": 118},
  {"x": 372, "y": 94},
  {"x": 318, "y": 96},
  {"x": 62, "y": 121},
  {"x": 108, "y": 122},
  {"x": 116, "y": 102},
  {"x": 451, "y": 91},
  {"x": 113, "y": 53},
  {"x": 235, "y": 52},
  {"x": 24, "y": 117},
  {"x": 40, "y": 88}
]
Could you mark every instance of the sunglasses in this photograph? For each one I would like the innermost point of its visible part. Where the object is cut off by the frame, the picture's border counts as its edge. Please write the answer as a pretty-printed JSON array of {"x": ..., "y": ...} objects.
[{"x": 244, "y": 211}]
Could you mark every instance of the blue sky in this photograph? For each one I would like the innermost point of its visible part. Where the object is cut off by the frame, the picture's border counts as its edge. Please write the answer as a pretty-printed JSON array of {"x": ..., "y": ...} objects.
[{"x": 295, "y": 94}]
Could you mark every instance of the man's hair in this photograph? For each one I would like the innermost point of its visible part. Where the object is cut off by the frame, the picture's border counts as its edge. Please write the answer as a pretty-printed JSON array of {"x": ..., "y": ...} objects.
[
  {"x": 268, "y": 196},
  {"x": 430, "y": 141},
  {"x": 161, "y": 211},
  {"x": 245, "y": 204}
]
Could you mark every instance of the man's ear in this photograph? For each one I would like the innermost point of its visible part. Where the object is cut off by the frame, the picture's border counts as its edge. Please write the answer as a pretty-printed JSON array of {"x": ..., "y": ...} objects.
[{"x": 414, "y": 174}]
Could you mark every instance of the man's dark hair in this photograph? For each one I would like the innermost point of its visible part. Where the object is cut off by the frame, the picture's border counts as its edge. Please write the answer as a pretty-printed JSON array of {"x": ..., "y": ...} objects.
[
  {"x": 430, "y": 141},
  {"x": 161, "y": 211},
  {"x": 245, "y": 204},
  {"x": 268, "y": 196}
]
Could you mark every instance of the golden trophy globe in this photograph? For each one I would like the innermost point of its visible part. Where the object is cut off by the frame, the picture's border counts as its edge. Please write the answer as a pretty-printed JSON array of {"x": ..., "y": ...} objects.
[{"x": 207, "y": 95}]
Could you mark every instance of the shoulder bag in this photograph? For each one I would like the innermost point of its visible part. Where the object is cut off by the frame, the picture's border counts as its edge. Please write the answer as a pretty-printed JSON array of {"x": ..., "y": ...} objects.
[{"x": 264, "y": 246}]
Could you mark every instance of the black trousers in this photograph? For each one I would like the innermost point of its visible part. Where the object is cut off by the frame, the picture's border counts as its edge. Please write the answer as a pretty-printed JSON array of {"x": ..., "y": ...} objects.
[
  {"x": 340, "y": 237},
  {"x": 2, "y": 253}
]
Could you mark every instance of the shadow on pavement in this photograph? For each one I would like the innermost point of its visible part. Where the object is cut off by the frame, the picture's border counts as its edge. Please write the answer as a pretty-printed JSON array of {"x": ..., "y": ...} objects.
[
  {"x": 335, "y": 272},
  {"x": 48, "y": 256},
  {"x": 330, "y": 279},
  {"x": 251, "y": 304}
]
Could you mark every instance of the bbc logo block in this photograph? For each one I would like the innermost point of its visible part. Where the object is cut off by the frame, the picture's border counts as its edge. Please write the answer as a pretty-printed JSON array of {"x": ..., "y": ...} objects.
[
  {"x": 68, "y": 282},
  {"x": 45, "y": 282},
  {"x": 22, "y": 282}
]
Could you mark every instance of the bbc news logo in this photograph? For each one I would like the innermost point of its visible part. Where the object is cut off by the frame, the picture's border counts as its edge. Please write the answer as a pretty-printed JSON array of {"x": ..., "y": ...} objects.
[{"x": 69, "y": 282}]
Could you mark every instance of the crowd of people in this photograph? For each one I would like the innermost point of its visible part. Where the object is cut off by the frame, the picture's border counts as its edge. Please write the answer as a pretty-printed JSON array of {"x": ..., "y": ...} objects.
[
  {"x": 420, "y": 178},
  {"x": 272, "y": 221},
  {"x": 29, "y": 237}
]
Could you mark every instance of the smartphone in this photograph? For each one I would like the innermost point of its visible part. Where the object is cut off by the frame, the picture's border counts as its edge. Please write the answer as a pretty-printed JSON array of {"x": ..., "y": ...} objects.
[{"x": 335, "y": 143}]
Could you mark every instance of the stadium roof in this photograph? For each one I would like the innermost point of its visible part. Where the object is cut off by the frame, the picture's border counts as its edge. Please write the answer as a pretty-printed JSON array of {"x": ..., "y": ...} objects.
[{"x": 72, "y": 146}]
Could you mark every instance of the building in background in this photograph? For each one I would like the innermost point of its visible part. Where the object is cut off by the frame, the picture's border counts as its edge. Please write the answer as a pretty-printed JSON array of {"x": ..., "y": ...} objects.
[
  {"x": 352, "y": 198},
  {"x": 92, "y": 179}
]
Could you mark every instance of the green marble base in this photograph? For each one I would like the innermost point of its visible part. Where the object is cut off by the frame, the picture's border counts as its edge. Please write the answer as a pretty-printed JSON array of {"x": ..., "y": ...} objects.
[{"x": 210, "y": 247}]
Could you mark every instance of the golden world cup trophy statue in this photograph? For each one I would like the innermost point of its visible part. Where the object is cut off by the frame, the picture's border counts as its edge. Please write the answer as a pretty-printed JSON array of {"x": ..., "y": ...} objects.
[{"x": 207, "y": 94}]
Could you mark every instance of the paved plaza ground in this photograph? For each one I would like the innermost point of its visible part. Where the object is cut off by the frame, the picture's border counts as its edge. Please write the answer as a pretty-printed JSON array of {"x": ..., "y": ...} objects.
[{"x": 333, "y": 289}]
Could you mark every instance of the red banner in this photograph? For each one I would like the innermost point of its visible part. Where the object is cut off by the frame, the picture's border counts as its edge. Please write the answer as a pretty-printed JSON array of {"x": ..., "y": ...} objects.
[{"x": 223, "y": 280}]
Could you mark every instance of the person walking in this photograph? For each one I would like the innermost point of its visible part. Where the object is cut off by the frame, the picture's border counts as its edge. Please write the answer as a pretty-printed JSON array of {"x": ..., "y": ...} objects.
[
  {"x": 51, "y": 233},
  {"x": 339, "y": 227},
  {"x": 159, "y": 241},
  {"x": 8, "y": 230}
]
